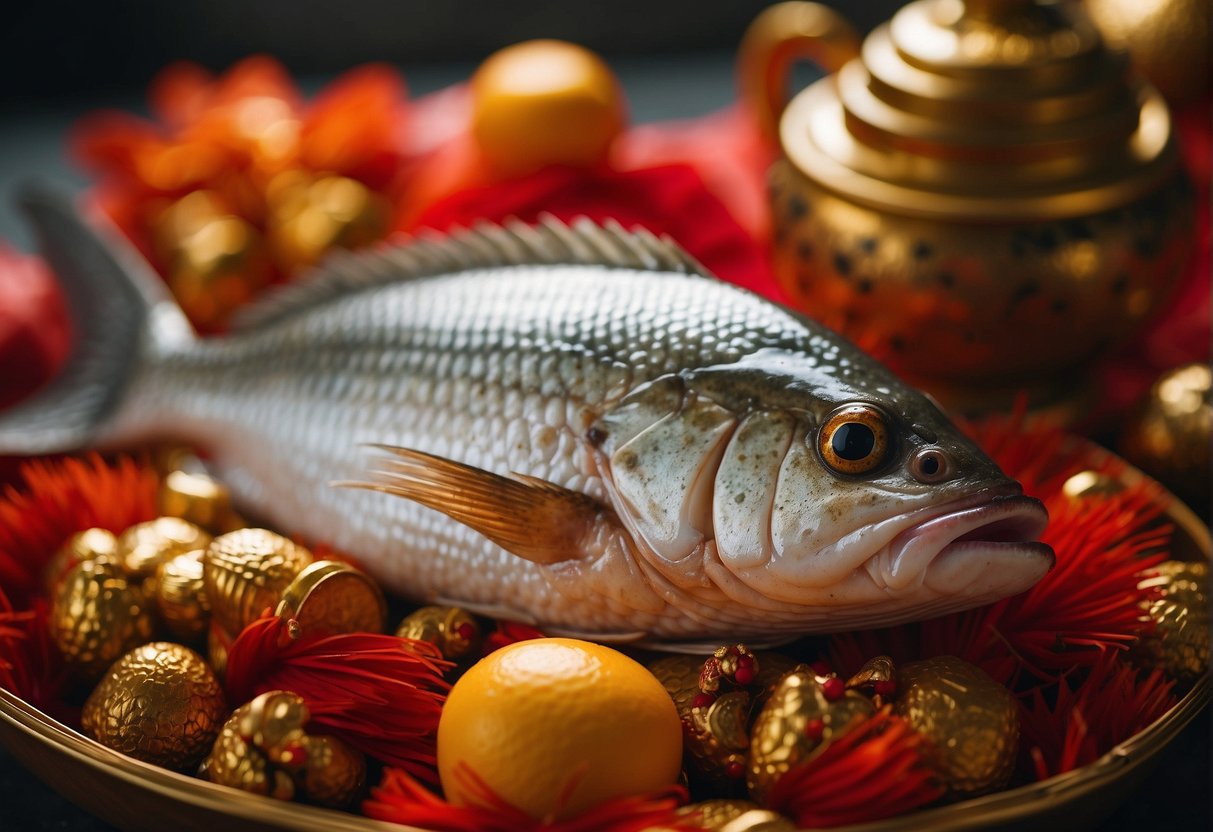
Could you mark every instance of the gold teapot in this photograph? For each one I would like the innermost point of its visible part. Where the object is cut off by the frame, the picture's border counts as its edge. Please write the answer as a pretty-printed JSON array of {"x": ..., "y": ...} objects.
[{"x": 981, "y": 194}]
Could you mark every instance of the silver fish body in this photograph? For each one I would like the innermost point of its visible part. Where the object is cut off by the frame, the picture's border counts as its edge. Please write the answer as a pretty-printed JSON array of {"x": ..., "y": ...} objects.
[{"x": 690, "y": 413}]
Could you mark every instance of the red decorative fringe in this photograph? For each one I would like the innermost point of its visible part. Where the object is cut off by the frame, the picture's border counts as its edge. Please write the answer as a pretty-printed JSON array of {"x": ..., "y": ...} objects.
[
  {"x": 507, "y": 633},
  {"x": 1085, "y": 721},
  {"x": 401, "y": 799},
  {"x": 876, "y": 770},
  {"x": 381, "y": 694},
  {"x": 30, "y": 666}
]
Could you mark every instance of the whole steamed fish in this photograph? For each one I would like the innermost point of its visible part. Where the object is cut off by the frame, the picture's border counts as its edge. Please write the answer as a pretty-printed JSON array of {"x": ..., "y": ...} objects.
[{"x": 569, "y": 426}]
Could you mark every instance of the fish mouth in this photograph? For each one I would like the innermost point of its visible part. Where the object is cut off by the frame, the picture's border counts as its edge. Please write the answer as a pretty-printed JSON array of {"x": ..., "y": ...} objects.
[{"x": 986, "y": 545}]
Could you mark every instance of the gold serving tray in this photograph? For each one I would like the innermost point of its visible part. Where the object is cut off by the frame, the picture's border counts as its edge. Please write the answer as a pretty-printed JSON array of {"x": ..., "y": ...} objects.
[{"x": 133, "y": 795}]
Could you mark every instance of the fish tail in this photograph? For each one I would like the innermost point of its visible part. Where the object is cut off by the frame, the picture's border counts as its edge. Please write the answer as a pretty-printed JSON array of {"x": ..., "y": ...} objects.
[{"x": 121, "y": 314}]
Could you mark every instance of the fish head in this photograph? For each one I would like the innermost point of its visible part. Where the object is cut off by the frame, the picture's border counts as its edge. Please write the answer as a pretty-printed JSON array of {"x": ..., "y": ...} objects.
[{"x": 818, "y": 485}]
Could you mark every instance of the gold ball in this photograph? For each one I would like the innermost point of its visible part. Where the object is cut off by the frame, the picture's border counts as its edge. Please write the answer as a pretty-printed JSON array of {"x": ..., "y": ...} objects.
[
  {"x": 160, "y": 703},
  {"x": 797, "y": 723},
  {"x": 971, "y": 721},
  {"x": 334, "y": 774},
  {"x": 1180, "y": 641},
  {"x": 1171, "y": 431},
  {"x": 144, "y": 546},
  {"x": 1167, "y": 39},
  {"x": 198, "y": 498},
  {"x": 311, "y": 217},
  {"x": 451, "y": 629},
  {"x": 90, "y": 544},
  {"x": 245, "y": 572},
  {"x": 97, "y": 615},
  {"x": 181, "y": 596}
]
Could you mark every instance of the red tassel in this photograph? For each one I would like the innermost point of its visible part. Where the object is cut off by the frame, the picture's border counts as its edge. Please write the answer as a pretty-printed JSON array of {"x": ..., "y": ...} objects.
[
  {"x": 30, "y": 665},
  {"x": 401, "y": 799},
  {"x": 876, "y": 770},
  {"x": 381, "y": 694},
  {"x": 507, "y": 633}
]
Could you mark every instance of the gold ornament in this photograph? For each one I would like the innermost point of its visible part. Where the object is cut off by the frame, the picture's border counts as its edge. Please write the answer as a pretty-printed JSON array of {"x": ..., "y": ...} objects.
[
  {"x": 245, "y": 572},
  {"x": 1170, "y": 433},
  {"x": 264, "y": 749},
  {"x": 181, "y": 596},
  {"x": 97, "y": 615},
  {"x": 1180, "y": 642},
  {"x": 330, "y": 597},
  {"x": 802, "y": 716},
  {"x": 310, "y": 217},
  {"x": 451, "y": 629},
  {"x": 90, "y": 544},
  {"x": 971, "y": 721},
  {"x": 1167, "y": 39},
  {"x": 200, "y": 499},
  {"x": 218, "y": 642},
  {"x": 716, "y": 726},
  {"x": 159, "y": 703},
  {"x": 144, "y": 546},
  {"x": 736, "y": 816}
]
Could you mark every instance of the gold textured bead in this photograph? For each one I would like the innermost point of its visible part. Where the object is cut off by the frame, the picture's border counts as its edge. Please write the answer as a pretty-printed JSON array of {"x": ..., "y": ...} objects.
[
  {"x": 198, "y": 498},
  {"x": 971, "y": 721},
  {"x": 334, "y": 774},
  {"x": 329, "y": 597},
  {"x": 144, "y": 546},
  {"x": 245, "y": 572},
  {"x": 90, "y": 544},
  {"x": 159, "y": 703},
  {"x": 1180, "y": 641},
  {"x": 451, "y": 629},
  {"x": 181, "y": 596},
  {"x": 779, "y": 739},
  {"x": 97, "y": 615}
]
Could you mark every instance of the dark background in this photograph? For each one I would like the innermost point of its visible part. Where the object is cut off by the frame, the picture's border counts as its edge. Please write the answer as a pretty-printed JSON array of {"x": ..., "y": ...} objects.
[{"x": 61, "y": 59}]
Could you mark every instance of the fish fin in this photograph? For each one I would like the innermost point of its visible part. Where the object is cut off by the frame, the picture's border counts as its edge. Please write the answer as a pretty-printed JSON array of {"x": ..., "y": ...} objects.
[
  {"x": 119, "y": 311},
  {"x": 550, "y": 242},
  {"x": 529, "y": 517}
]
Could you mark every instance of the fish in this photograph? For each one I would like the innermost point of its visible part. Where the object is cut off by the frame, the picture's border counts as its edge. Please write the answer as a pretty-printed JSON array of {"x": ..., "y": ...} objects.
[{"x": 573, "y": 426}]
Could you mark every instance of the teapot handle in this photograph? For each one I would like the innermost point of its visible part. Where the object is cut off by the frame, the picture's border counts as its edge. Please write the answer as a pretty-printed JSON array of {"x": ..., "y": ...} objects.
[{"x": 780, "y": 35}]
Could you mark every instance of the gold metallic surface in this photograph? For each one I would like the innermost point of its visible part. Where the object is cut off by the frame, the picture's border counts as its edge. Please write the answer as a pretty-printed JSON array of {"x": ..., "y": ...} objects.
[
  {"x": 218, "y": 642},
  {"x": 736, "y": 816},
  {"x": 97, "y": 615},
  {"x": 144, "y": 546},
  {"x": 245, "y": 572},
  {"x": 444, "y": 628},
  {"x": 181, "y": 596},
  {"x": 198, "y": 498},
  {"x": 1168, "y": 41},
  {"x": 1180, "y": 643},
  {"x": 334, "y": 774},
  {"x": 759, "y": 820},
  {"x": 90, "y": 544},
  {"x": 159, "y": 703},
  {"x": 1170, "y": 434},
  {"x": 311, "y": 216},
  {"x": 971, "y": 720},
  {"x": 328, "y": 597},
  {"x": 778, "y": 738}
]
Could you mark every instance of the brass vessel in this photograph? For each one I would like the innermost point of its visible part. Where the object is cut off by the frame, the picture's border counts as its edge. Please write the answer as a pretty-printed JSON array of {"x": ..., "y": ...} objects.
[{"x": 982, "y": 194}]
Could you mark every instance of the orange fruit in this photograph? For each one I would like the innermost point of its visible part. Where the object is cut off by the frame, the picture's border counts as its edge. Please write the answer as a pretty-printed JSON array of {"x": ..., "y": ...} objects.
[
  {"x": 556, "y": 726},
  {"x": 545, "y": 102}
]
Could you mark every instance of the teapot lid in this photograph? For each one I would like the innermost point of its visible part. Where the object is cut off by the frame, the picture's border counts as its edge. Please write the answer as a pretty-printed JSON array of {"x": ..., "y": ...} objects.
[{"x": 984, "y": 109}]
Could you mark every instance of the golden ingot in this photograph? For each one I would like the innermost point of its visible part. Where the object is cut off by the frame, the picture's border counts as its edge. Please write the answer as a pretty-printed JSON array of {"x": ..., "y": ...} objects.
[
  {"x": 736, "y": 816},
  {"x": 796, "y": 723},
  {"x": 330, "y": 597},
  {"x": 90, "y": 544},
  {"x": 971, "y": 721},
  {"x": 198, "y": 498},
  {"x": 245, "y": 572},
  {"x": 264, "y": 749},
  {"x": 97, "y": 615},
  {"x": 977, "y": 178},
  {"x": 160, "y": 703},
  {"x": 1180, "y": 641},
  {"x": 1171, "y": 431},
  {"x": 451, "y": 629},
  {"x": 144, "y": 546},
  {"x": 310, "y": 217},
  {"x": 1167, "y": 39},
  {"x": 181, "y": 596}
]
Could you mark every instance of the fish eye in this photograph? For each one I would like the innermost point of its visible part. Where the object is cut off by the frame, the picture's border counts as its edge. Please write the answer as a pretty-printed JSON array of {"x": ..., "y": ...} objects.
[
  {"x": 854, "y": 439},
  {"x": 931, "y": 465}
]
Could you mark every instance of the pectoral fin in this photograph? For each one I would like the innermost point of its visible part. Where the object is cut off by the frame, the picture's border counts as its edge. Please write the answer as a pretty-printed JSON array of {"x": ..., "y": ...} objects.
[{"x": 532, "y": 518}]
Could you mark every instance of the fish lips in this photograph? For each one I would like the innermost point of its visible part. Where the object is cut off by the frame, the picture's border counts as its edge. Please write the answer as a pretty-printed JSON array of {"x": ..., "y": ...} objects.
[{"x": 985, "y": 547}]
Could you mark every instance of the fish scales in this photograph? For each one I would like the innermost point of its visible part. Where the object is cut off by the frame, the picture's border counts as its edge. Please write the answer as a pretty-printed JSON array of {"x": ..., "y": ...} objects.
[{"x": 564, "y": 426}]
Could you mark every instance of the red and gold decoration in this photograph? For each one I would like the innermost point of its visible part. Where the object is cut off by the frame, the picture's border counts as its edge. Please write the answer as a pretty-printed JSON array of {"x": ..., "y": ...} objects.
[
  {"x": 180, "y": 594},
  {"x": 160, "y": 703},
  {"x": 1178, "y": 607},
  {"x": 98, "y": 614},
  {"x": 200, "y": 499},
  {"x": 452, "y": 630}
]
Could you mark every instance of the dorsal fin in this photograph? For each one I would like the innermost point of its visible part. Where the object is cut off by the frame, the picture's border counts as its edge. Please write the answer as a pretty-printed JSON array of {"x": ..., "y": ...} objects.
[{"x": 550, "y": 242}]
